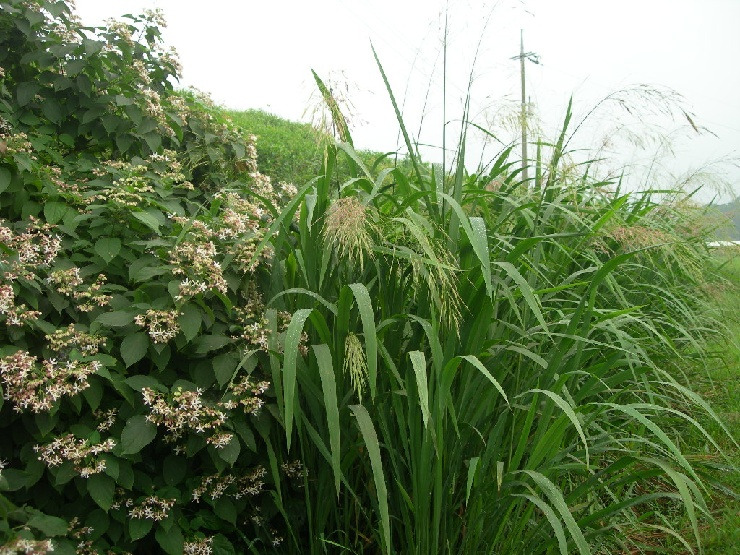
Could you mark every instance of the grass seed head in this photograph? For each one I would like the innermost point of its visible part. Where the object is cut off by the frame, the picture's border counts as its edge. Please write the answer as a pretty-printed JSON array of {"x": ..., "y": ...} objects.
[{"x": 349, "y": 229}]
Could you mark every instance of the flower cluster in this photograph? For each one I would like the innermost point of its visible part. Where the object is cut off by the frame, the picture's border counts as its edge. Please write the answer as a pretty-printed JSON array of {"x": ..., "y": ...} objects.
[
  {"x": 152, "y": 508},
  {"x": 294, "y": 470},
  {"x": 37, "y": 388},
  {"x": 79, "y": 533},
  {"x": 69, "y": 282},
  {"x": 15, "y": 315},
  {"x": 65, "y": 339},
  {"x": 161, "y": 324},
  {"x": 636, "y": 237},
  {"x": 216, "y": 486},
  {"x": 24, "y": 545},
  {"x": 184, "y": 411},
  {"x": 246, "y": 394},
  {"x": 198, "y": 547},
  {"x": 83, "y": 455},
  {"x": 196, "y": 261},
  {"x": 106, "y": 419},
  {"x": 34, "y": 248},
  {"x": 16, "y": 143}
]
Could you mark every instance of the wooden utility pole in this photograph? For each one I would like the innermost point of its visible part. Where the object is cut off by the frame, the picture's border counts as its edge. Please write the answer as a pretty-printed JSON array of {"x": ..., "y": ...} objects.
[
  {"x": 525, "y": 169},
  {"x": 532, "y": 57}
]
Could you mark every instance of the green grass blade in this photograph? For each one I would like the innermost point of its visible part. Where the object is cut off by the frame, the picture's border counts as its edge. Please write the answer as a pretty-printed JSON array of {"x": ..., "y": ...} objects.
[
  {"x": 418, "y": 361},
  {"x": 556, "y": 499},
  {"x": 568, "y": 410},
  {"x": 292, "y": 340},
  {"x": 329, "y": 386},
  {"x": 367, "y": 316},
  {"x": 373, "y": 450}
]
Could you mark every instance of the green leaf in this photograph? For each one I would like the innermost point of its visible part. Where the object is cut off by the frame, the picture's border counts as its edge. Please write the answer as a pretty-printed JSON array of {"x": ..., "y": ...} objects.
[
  {"x": 292, "y": 340},
  {"x": 226, "y": 510},
  {"x": 139, "y": 382},
  {"x": 134, "y": 347},
  {"x": 189, "y": 320},
  {"x": 373, "y": 450},
  {"x": 25, "y": 92},
  {"x": 222, "y": 546},
  {"x": 147, "y": 219},
  {"x": 556, "y": 499},
  {"x": 52, "y": 110},
  {"x": 171, "y": 541},
  {"x": 223, "y": 367},
  {"x": 137, "y": 434},
  {"x": 418, "y": 360},
  {"x": 115, "y": 319},
  {"x": 49, "y": 525},
  {"x": 101, "y": 489},
  {"x": 230, "y": 452},
  {"x": 329, "y": 386},
  {"x": 472, "y": 466},
  {"x": 207, "y": 343},
  {"x": 368, "y": 328},
  {"x": 139, "y": 527},
  {"x": 54, "y": 212},
  {"x": 5, "y": 179},
  {"x": 108, "y": 248}
]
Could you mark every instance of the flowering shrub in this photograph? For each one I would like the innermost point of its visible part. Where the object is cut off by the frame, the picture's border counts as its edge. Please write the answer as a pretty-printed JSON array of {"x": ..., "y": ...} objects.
[{"x": 133, "y": 336}]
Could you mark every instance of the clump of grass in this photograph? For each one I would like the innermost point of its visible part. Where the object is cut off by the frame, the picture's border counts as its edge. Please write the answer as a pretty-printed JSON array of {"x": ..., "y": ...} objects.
[{"x": 518, "y": 348}]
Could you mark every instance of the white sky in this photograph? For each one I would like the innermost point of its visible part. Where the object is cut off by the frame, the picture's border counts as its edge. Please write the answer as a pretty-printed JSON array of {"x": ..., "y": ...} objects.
[{"x": 259, "y": 55}]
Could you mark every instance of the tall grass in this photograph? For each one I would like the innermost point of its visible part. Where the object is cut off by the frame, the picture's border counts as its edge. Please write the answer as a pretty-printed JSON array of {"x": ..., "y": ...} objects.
[{"x": 486, "y": 369}]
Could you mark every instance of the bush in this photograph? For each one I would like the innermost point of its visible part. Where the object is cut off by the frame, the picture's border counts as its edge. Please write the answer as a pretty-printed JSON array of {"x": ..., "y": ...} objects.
[{"x": 130, "y": 220}]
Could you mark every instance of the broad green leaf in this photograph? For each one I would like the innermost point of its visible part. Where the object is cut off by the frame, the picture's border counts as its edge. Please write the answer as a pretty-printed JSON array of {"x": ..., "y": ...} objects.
[
  {"x": 137, "y": 434},
  {"x": 189, "y": 320},
  {"x": 292, "y": 340},
  {"x": 101, "y": 488},
  {"x": 116, "y": 319},
  {"x": 108, "y": 248},
  {"x": 230, "y": 452},
  {"x": 139, "y": 527},
  {"x": 207, "y": 343},
  {"x": 54, "y": 211},
  {"x": 171, "y": 540},
  {"x": 373, "y": 450},
  {"x": 25, "y": 92},
  {"x": 134, "y": 347},
  {"x": 225, "y": 509},
  {"x": 329, "y": 387},
  {"x": 147, "y": 219},
  {"x": 49, "y": 525},
  {"x": 224, "y": 366},
  {"x": 5, "y": 178}
]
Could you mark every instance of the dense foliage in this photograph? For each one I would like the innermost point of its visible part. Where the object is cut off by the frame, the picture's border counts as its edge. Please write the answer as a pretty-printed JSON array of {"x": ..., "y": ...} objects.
[
  {"x": 383, "y": 360},
  {"x": 130, "y": 217}
]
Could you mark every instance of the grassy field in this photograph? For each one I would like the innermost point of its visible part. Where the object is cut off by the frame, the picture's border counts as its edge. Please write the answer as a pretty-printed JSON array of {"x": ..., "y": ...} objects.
[{"x": 719, "y": 384}]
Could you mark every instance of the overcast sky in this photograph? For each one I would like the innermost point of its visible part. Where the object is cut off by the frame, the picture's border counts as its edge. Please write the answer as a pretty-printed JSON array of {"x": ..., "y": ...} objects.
[{"x": 259, "y": 55}]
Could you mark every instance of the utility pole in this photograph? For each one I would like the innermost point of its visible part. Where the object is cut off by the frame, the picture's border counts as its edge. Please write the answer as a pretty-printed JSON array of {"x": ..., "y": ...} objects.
[{"x": 534, "y": 58}]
